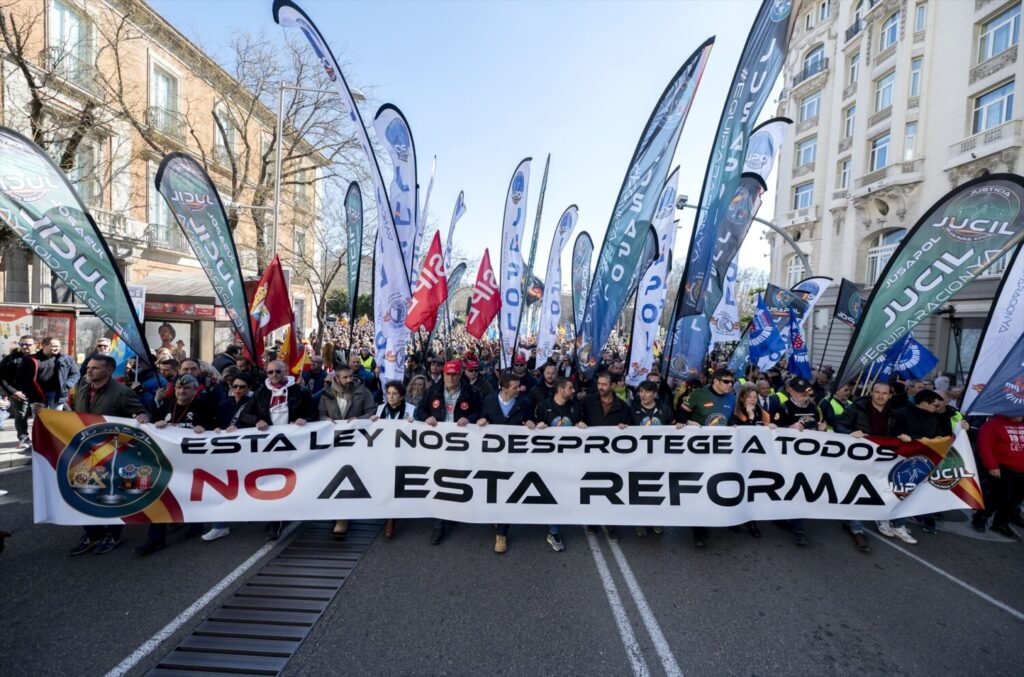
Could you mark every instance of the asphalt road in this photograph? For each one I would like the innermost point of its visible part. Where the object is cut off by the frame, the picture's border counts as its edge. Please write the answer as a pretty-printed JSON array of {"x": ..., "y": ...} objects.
[{"x": 740, "y": 606}]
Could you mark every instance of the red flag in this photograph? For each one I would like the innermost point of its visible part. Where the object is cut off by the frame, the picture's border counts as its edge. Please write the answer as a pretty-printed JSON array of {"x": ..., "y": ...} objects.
[
  {"x": 271, "y": 305},
  {"x": 291, "y": 354},
  {"x": 486, "y": 301},
  {"x": 431, "y": 289}
]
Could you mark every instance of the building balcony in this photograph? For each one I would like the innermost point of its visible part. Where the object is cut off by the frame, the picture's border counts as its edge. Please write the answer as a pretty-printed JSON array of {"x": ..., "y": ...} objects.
[
  {"x": 881, "y": 115},
  {"x": 845, "y": 144},
  {"x": 799, "y": 216},
  {"x": 810, "y": 71},
  {"x": 72, "y": 69},
  {"x": 117, "y": 225},
  {"x": 170, "y": 123},
  {"x": 854, "y": 30},
  {"x": 885, "y": 54},
  {"x": 849, "y": 90},
  {"x": 876, "y": 175},
  {"x": 985, "y": 143},
  {"x": 994, "y": 65},
  {"x": 840, "y": 194},
  {"x": 167, "y": 237}
]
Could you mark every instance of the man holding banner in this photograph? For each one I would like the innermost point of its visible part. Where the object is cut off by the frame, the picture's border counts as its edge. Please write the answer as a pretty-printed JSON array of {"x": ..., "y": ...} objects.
[{"x": 105, "y": 397}]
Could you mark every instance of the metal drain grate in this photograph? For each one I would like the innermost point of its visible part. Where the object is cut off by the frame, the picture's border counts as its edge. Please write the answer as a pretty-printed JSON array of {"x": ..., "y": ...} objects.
[{"x": 258, "y": 629}]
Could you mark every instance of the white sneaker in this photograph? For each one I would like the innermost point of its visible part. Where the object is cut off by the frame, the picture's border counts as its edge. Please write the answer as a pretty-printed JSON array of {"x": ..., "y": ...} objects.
[
  {"x": 903, "y": 534},
  {"x": 885, "y": 529},
  {"x": 214, "y": 534},
  {"x": 3, "y": 492}
]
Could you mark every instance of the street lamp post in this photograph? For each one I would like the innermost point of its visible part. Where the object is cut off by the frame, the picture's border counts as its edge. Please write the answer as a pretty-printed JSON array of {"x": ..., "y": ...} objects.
[{"x": 683, "y": 203}]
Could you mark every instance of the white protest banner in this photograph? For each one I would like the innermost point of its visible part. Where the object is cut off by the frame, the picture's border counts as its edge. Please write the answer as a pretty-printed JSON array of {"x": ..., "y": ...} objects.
[{"x": 91, "y": 469}]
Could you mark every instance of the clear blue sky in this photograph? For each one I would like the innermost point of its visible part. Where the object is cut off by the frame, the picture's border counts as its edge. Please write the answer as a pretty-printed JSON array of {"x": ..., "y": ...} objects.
[{"x": 484, "y": 84}]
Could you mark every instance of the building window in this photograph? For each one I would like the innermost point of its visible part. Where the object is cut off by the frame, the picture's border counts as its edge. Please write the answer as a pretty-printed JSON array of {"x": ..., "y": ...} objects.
[
  {"x": 999, "y": 34},
  {"x": 879, "y": 152},
  {"x": 824, "y": 9},
  {"x": 68, "y": 31},
  {"x": 910, "y": 141},
  {"x": 993, "y": 108},
  {"x": 224, "y": 143},
  {"x": 809, "y": 21},
  {"x": 881, "y": 249},
  {"x": 852, "y": 68},
  {"x": 890, "y": 31},
  {"x": 794, "y": 271},
  {"x": 844, "y": 174},
  {"x": 915, "y": 76},
  {"x": 849, "y": 119},
  {"x": 806, "y": 151},
  {"x": 803, "y": 195},
  {"x": 858, "y": 13},
  {"x": 158, "y": 215},
  {"x": 883, "y": 91},
  {"x": 814, "y": 61},
  {"x": 920, "y": 17},
  {"x": 85, "y": 174},
  {"x": 810, "y": 106}
]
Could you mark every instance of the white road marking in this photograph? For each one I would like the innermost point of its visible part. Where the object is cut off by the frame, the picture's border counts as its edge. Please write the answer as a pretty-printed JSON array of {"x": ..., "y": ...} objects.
[
  {"x": 633, "y": 652},
  {"x": 185, "y": 616},
  {"x": 963, "y": 584},
  {"x": 668, "y": 661}
]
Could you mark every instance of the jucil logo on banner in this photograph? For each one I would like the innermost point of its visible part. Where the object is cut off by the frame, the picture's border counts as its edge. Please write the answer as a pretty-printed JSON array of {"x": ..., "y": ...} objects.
[
  {"x": 980, "y": 214},
  {"x": 194, "y": 202}
]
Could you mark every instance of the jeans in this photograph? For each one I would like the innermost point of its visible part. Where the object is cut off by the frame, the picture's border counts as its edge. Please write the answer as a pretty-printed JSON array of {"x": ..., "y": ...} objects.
[
  {"x": 501, "y": 529},
  {"x": 54, "y": 401},
  {"x": 798, "y": 527},
  {"x": 20, "y": 410},
  {"x": 856, "y": 526},
  {"x": 553, "y": 529}
]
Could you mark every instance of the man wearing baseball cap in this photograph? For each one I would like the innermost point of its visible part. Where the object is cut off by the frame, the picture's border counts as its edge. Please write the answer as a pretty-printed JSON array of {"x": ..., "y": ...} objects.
[
  {"x": 800, "y": 412},
  {"x": 473, "y": 378},
  {"x": 452, "y": 400},
  {"x": 527, "y": 381}
]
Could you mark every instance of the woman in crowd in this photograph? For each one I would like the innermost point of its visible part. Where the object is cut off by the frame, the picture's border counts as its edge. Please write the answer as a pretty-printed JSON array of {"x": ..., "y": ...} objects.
[
  {"x": 749, "y": 412},
  {"x": 394, "y": 408},
  {"x": 416, "y": 390}
]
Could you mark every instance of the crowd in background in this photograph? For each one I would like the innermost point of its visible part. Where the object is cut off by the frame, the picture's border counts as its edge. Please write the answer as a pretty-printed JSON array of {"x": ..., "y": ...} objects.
[{"x": 458, "y": 379}]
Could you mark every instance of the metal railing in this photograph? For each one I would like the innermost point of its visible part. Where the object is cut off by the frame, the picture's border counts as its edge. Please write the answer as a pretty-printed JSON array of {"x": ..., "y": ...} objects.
[
  {"x": 855, "y": 28},
  {"x": 170, "y": 123},
  {"x": 810, "y": 70},
  {"x": 167, "y": 237},
  {"x": 71, "y": 68}
]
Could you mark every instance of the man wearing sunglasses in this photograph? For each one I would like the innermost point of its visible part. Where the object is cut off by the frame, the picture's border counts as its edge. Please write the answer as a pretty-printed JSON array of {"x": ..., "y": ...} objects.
[
  {"x": 278, "y": 401},
  {"x": 9, "y": 367},
  {"x": 711, "y": 405}
]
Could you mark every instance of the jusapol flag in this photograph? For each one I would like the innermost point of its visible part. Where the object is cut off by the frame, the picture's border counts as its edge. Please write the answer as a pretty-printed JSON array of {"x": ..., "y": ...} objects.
[
  {"x": 908, "y": 359},
  {"x": 766, "y": 344},
  {"x": 799, "y": 363}
]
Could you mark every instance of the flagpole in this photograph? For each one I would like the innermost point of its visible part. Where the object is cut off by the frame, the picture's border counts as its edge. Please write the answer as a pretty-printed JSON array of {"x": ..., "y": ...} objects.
[
  {"x": 533, "y": 251},
  {"x": 828, "y": 337}
]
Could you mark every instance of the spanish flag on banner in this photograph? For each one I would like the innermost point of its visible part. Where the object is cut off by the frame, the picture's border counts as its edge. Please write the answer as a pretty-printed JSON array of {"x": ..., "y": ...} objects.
[{"x": 291, "y": 354}]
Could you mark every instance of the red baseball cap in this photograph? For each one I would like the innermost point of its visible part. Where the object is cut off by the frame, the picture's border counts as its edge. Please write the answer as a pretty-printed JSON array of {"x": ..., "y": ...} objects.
[
  {"x": 519, "y": 359},
  {"x": 472, "y": 364},
  {"x": 453, "y": 367}
]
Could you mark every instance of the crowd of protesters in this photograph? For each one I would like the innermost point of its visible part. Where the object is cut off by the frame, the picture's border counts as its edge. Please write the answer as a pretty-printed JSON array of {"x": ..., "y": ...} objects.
[{"x": 459, "y": 381}]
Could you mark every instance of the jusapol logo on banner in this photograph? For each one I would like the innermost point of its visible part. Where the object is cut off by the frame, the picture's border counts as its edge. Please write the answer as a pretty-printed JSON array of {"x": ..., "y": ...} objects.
[{"x": 112, "y": 470}]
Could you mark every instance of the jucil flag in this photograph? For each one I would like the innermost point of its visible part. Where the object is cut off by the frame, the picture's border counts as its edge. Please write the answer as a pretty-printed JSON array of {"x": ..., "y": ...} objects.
[
  {"x": 1004, "y": 326},
  {"x": 391, "y": 292},
  {"x": 431, "y": 289},
  {"x": 196, "y": 205},
  {"x": 759, "y": 66},
  {"x": 485, "y": 302},
  {"x": 582, "y": 254},
  {"x": 551, "y": 309},
  {"x": 40, "y": 206},
  {"x": 510, "y": 270},
  {"x": 396, "y": 137},
  {"x": 354, "y": 252},
  {"x": 955, "y": 241},
  {"x": 619, "y": 263},
  {"x": 849, "y": 303}
]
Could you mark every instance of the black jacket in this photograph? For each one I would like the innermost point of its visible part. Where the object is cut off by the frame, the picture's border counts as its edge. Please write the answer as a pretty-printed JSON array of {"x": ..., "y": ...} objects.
[
  {"x": 432, "y": 404},
  {"x": 64, "y": 366},
  {"x": 662, "y": 414},
  {"x": 593, "y": 412},
  {"x": 521, "y": 412},
  {"x": 857, "y": 417},
  {"x": 114, "y": 399},
  {"x": 917, "y": 423},
  {"x": 9, "y": 366},
  {"x": 200, "y": 412},
  {"x": 258, "y": 408},
  {"x": 553, "y": 414}
]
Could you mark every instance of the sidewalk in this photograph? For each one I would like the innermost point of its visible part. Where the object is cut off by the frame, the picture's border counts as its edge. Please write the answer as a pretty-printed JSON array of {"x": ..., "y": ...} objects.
[{"x": 9, "y": 456}]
